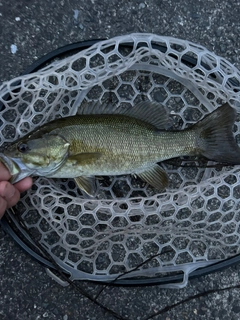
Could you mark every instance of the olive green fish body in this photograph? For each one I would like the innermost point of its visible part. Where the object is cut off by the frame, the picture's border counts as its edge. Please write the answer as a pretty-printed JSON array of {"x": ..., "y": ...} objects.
[
  {"x": 84, "y": 146},
  {"x": 126, "y": 145}
]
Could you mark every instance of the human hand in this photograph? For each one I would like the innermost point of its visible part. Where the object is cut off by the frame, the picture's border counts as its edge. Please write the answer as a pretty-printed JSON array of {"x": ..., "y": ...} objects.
[{"x": 10, "y": 194}]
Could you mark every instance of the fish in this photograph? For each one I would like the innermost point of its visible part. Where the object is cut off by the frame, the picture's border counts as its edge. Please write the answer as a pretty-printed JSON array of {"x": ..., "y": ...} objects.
[{"x": 85, "y": 146}]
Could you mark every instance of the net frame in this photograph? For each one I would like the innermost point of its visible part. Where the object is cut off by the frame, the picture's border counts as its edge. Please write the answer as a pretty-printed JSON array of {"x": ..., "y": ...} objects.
[{"x": 126, "y": 62}]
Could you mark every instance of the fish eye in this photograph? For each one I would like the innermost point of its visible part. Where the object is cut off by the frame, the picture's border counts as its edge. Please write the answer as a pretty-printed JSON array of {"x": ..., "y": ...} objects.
[{"x": 22, "y": 147}]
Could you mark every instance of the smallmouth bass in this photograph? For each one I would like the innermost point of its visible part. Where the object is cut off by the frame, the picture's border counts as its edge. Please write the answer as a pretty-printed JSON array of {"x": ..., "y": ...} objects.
[{"x": 89, "y": 145}]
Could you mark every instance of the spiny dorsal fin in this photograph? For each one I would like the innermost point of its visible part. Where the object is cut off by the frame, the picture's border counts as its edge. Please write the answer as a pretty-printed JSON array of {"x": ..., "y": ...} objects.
[{"x": 155, "y": 176}]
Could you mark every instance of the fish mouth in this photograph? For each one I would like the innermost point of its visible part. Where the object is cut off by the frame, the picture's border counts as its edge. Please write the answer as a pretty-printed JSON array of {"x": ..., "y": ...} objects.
[{"x": 17, "y": 169}]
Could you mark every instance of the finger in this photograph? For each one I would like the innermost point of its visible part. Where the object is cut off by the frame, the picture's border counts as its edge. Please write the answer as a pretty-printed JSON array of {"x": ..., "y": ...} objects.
[
  {"x": 5, "y": 174},
  {"x": 3, "y": 206},
  {"x": 9, "y": 193},
  {"x": 24, "y": 184}
]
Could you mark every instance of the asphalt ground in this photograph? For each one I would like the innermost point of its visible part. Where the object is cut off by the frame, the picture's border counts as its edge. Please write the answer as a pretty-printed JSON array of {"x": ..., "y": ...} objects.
[{"x": 30, "y": 29}]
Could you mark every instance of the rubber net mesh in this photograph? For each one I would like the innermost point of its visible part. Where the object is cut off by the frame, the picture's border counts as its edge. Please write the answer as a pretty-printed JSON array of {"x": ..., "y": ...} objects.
[{"x": 191, "y": 225}]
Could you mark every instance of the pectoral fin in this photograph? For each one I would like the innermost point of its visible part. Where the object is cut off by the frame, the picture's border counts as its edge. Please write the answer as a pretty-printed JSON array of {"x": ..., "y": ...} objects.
[
  {"x": 87, "y": 184},
  {"x": 84, "y": 157},
  {"x": 155, "y": 176}
]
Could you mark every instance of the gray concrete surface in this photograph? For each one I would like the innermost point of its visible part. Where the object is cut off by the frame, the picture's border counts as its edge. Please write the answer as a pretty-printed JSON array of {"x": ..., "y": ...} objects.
[{"x": 37, "y": 27}]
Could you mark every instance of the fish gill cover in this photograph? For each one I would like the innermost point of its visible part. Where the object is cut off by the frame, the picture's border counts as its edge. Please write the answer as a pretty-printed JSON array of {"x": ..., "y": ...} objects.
[{"x": 129, "y": 226}]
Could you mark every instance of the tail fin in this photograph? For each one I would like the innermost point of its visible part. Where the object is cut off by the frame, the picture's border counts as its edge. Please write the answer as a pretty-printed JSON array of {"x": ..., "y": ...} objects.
[{"x": 215, "y": 139}]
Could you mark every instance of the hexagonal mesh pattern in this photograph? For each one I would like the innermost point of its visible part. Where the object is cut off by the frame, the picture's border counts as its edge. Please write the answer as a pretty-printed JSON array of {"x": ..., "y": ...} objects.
[{"x": 194, "y": 223}]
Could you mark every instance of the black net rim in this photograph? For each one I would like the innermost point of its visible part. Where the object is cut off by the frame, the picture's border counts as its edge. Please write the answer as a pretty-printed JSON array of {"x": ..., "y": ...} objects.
[{"x": 5, "y": 222}]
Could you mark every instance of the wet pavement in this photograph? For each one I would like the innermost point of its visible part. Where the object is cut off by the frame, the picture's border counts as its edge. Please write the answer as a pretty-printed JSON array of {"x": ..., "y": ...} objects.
[{"x": 30, "y": 29}]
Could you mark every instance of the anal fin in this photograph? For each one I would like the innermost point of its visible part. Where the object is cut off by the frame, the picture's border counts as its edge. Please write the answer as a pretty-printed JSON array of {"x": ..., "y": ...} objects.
[{"x": 155, "y": 176}]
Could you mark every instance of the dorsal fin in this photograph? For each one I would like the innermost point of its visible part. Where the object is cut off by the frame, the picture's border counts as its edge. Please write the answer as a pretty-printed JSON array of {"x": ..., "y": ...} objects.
[
  {"x": 148, "y": 111},
  {"x": 151, "y": 112}
]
